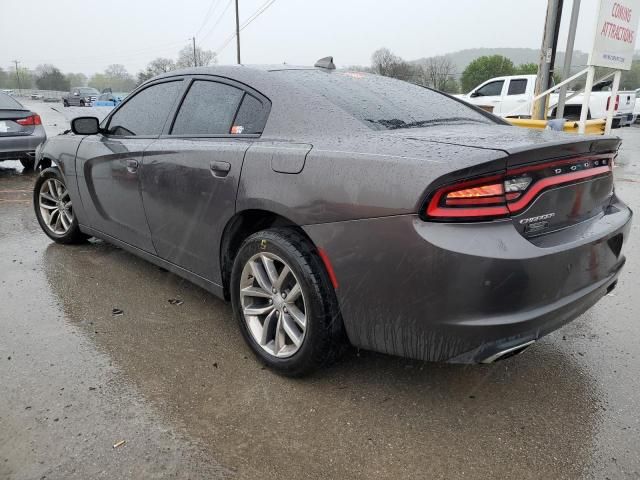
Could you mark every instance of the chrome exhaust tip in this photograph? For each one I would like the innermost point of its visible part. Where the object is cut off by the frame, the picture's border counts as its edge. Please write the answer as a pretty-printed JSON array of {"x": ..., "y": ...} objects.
[{"x": 509, "y": 352}]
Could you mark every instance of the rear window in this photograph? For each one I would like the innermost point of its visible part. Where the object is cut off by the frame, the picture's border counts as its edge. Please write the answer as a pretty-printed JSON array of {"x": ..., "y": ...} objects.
[
  {"x": 6, "y": 102},
  {"x": 384, "y": 103}
]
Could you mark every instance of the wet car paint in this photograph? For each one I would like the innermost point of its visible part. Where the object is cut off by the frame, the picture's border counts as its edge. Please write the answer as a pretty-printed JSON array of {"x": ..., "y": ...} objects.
[
  {"x": 173, "y": 381},
  {"x": 175, "y": 213}
]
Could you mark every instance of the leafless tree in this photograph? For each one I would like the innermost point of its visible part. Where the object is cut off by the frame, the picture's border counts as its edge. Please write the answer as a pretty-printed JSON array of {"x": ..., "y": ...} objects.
[
  {"x": 203, "y": 57},
  {"x": 383, "y": 62},
  {"x": 438, "y": 72}
]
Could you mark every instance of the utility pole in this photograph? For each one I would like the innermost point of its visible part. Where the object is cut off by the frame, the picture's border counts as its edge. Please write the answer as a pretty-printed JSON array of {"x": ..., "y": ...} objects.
[
  {"x": 195, "y": 58},
  {"x": 547, "y": 55},
  {"x": 238, "y": 32},
  {"x": 568, "y": 56},
  {"x": 18, "y": 77}
]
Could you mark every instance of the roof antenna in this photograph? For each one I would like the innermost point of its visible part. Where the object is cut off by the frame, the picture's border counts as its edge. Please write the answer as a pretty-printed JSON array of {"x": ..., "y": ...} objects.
[{"x": 326, "y": 62}]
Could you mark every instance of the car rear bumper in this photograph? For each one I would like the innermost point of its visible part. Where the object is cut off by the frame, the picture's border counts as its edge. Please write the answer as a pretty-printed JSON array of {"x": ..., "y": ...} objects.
[
  {"x": 19, "y": 146},
  {"x": 464, "y": 292}
]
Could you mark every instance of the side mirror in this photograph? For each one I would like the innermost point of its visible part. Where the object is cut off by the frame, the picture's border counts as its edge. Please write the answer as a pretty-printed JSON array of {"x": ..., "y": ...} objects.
[
  {"x": 85, "y": 126},
  {"x": 474, "y": 94}
]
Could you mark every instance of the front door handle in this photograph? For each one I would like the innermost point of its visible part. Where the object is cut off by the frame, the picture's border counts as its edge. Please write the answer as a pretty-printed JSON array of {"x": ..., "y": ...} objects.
[
  {"x": 220, "y": 169},
  {"x": 132, "y": 165}
]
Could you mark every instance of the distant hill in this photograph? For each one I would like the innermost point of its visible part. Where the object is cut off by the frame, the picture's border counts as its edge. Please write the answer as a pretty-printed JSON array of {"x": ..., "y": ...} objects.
[{"x": 518, "y": 56}]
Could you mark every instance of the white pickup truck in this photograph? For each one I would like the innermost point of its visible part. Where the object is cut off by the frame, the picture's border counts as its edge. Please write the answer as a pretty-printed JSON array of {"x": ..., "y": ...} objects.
[{"x": 511, "y": 97}]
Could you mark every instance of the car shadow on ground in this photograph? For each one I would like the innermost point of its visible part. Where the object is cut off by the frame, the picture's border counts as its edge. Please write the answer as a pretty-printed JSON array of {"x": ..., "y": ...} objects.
[{"x": 368, "y": 416}]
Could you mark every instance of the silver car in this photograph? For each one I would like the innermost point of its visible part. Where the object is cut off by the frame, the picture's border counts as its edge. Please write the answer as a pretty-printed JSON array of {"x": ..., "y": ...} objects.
[{"x": 21, "y": 131}]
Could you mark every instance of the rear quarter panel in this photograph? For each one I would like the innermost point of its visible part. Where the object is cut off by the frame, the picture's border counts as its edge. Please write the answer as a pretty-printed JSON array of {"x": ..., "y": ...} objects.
[{"x": 352, "y": 178}]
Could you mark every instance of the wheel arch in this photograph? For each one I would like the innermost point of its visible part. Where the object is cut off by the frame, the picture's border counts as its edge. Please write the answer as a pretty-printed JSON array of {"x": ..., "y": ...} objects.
[
  {"x": 239, "y": 227},
  {"x": 44, "y": 163}
]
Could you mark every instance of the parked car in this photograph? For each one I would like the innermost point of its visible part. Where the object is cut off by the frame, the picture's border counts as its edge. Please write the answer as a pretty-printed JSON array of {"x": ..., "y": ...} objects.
[
  {"x": 636, "y": 110},
  {"x": 21, "y": 132},
  {"x": 109, "y": 99},
  {"x": 80, "y": 97},
  {"x": 511, "y": 96},
  {"x": 326, "y": 203}
]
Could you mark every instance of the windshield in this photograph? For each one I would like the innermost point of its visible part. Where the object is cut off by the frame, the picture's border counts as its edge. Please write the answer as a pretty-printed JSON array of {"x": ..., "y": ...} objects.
[{"x": 384, "y": 103}]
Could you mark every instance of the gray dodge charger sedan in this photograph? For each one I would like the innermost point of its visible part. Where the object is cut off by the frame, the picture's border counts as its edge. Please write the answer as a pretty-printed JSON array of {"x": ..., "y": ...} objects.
[{"x": 334, "y": 207}]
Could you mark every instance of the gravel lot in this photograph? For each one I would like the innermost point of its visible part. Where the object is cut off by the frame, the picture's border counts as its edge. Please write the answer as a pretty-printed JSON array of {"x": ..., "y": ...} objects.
[{"x": 178, "y": 385}]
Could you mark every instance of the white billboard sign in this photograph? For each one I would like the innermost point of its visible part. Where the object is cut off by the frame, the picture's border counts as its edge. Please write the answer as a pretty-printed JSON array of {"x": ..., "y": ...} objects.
[{"x": 616, "y": 34}]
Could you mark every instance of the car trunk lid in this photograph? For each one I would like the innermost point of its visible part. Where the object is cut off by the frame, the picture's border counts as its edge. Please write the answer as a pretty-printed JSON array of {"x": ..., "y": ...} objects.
[
  {"x": 568, "y": 179},
  {"x": 9, "y": 125}
]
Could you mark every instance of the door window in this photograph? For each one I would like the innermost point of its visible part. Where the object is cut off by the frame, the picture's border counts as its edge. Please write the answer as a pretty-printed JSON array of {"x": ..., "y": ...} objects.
[
  {"x": 491, "y": 89},
  {"x": 251, "y": 117},
  {"x": 146, "y": 112},
  {"x": 517, "y": 87},
  {"x": 208, "y": 109}
]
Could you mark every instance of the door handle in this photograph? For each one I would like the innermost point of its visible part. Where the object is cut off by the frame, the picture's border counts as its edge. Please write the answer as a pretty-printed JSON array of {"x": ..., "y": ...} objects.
[
  {"x": 220, "y": 169},
  {"x": 132, "y": 165}
]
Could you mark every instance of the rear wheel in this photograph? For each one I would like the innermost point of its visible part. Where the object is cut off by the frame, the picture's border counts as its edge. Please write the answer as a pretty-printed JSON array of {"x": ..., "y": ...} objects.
[
  {"x": 285, "y": 304},
  {"x": 54, "y": 209}
]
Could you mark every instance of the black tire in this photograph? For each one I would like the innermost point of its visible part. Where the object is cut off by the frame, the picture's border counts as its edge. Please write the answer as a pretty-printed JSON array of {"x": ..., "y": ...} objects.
[
  {"x": 27, "y": 163},
  {"x": 73, "y": 234},
  {"x": 82, "y": 103},
  {"x": 65, "y": 103},
  {"x": 324, "y": 338}
]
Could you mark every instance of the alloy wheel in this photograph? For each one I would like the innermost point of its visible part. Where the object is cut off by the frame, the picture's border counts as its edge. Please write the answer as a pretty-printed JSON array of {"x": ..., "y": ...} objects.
[
  {"x": 55, "y": 206},
  {"x": 273, "y": 304}
]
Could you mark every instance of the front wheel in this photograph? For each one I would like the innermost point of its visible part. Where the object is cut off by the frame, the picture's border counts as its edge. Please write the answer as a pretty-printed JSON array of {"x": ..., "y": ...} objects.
[
  {"x": 285, "y": 303},
  {"x": 54, "y": 209},
  {"x": 65, "y": 103}
]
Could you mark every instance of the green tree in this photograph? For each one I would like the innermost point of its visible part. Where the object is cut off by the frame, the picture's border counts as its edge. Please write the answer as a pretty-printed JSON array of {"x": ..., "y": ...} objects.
[
  {"x": 114, "y": 77},
  {"x": 22, "y": 79},
  {"x": 526, "y": 69},
  {"x": 484, "y": 68},
  {"x": 77, "y": 79},
  {"x": 48, "y": 77},
  {"x": 631, "y": 79}
]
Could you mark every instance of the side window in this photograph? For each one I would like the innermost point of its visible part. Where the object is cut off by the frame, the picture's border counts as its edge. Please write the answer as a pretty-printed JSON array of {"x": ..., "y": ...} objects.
[
  {"x": 491, "y": 89},
  {"x": 517, "y": 87},
  {"x": 146, "y": 112},
  {"x": 251, "y": 116},
  {"x": 208, "y": 109}
]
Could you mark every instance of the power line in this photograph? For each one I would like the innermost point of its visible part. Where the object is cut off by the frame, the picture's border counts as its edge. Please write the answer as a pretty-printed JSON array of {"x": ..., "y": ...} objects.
[
  {"x": 245, "y": 24},
  {"x": 207, "y": 15},
  {"x": 220, "y": 17}
]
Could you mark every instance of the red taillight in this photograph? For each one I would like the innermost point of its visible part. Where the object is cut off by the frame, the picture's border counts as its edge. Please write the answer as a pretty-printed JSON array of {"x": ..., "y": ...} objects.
[
  {"x": 617, "y": 102},
  {"x": 32, "y": 120},
  {"x": 499, "y": 196}
]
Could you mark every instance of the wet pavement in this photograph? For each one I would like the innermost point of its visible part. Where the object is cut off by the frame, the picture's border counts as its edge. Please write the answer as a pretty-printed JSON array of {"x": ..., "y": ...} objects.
[{"x": 177, "y": 383}]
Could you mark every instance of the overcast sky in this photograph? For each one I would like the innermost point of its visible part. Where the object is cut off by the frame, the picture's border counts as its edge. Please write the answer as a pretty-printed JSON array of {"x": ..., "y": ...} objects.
[{"x": 87, "y": 35}]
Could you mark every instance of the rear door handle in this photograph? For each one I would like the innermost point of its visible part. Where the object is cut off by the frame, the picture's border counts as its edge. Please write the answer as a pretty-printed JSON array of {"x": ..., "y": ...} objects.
[
  {"x": 132, "y": 165},
  {"x": 220, "y": 169}
]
